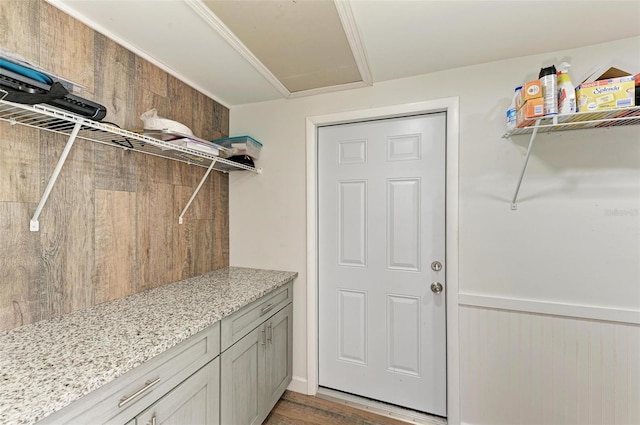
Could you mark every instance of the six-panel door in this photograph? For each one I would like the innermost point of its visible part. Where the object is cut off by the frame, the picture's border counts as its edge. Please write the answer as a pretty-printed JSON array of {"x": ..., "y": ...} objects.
[{"x": 381, "y": 215}]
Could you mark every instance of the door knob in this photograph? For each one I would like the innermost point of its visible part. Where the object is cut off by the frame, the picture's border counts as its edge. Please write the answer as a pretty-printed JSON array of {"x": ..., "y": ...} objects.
[{"x": 436, "y": 287}]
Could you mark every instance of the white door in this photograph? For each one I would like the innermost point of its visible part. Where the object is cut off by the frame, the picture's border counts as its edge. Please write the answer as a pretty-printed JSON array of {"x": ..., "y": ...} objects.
[{"x": 381, "y": 211}]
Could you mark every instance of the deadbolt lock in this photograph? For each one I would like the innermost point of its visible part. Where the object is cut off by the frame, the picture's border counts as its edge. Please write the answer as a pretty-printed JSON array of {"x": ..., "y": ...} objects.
[
  {"x": 436, "y": 287},
  {"x": 436, "y": 266}
]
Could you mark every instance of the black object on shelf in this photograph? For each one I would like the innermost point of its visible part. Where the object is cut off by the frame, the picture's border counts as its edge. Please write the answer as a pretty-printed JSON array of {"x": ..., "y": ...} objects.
[{"x": 22, "y": 89}]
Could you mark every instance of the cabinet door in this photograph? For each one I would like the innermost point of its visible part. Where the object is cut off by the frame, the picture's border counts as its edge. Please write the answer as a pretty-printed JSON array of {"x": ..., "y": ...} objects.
[
  {"x": 279, "y": 333},
  {"x": 242, "y": 380},
  {"x": 194, "y": 402}
]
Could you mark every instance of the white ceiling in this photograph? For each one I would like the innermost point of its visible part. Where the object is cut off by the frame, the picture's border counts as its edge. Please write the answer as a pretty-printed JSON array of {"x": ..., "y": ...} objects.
[{"x": 390, "y": 39}]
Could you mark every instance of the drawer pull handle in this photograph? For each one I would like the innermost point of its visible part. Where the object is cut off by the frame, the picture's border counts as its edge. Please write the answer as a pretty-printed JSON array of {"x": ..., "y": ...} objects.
[
  {"x": 265, "y": 310},
  {"x": 126, "y": 399}
]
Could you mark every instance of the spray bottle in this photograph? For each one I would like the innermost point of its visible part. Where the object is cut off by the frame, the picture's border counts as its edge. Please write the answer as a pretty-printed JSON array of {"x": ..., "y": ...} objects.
[
  {"x": 566, "y": 91},
  {"x": 549, "y": 82}
]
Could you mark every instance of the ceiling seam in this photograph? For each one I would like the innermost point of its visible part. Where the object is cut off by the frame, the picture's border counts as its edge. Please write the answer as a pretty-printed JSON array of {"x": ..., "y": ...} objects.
[
  {"x": 355, "y": 40},
  {"x": 329, "y": 89},
  {"x": 218, "y": 26},
  {"x": 132, "y": 48}
]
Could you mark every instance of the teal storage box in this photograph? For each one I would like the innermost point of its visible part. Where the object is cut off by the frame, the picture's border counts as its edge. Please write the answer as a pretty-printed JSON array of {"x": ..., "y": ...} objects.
[{"x": 241, "y": 145}]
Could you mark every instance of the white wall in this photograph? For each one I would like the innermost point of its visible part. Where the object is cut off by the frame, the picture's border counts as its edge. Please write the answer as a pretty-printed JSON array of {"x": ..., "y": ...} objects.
[{"x": 571, "y": 249}]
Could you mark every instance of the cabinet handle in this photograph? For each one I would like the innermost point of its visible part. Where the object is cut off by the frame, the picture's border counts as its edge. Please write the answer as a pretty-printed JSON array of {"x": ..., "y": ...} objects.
[
  {"x": 153, "y": 420},
  {"x": 126, "y": 399},
  {"x": 263, "y": 340},
  {"x": 265, "y": 310},
  {"x": 269, "y": 333}
]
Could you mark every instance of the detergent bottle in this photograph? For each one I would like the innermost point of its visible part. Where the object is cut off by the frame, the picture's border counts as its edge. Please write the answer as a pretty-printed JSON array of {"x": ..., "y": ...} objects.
[
  {"x": 511, "y": 112},
  {"x": 566, "y": 91}
]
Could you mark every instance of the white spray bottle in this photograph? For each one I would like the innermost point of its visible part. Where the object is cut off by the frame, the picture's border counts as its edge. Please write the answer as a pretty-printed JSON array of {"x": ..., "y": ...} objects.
[{"x": 566, "y": 91}]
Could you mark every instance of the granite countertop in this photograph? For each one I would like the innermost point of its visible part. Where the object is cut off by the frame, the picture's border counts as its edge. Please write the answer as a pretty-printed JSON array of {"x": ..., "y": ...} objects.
[{"x": 49, "y": 364}]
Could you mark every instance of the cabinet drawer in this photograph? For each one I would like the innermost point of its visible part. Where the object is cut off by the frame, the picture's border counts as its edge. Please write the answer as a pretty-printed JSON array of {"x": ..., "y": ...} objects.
[
  {"x": 243, "y": 321},
  {"x": 125, "y": 397}
]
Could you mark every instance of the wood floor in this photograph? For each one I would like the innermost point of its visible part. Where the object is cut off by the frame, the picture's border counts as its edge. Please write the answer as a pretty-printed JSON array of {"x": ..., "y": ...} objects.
[{"x": 299, "y": 409}]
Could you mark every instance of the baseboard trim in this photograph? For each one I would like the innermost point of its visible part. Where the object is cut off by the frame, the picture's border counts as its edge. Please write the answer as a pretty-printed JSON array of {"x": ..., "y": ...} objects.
[
  {"x": 298, "y": 385},
  {"x": 552, "y": 308},
  {"x": 394, "y": 412}
]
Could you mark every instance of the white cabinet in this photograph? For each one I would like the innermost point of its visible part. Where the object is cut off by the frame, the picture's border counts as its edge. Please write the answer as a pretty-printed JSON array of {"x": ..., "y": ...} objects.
[
  {"x": 278, "y": 355},
  {"x": 195, "y": 401},
  {"x": 192, "y": 383},
  {"x": 256, "y": 369},
  {"x": 122, "y": 399},
  {"x": 242, "y": 377}
]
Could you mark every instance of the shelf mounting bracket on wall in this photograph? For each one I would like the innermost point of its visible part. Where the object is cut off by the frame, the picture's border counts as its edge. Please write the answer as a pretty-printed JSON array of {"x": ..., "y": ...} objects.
[
  {"x": 193, "y": 196},
  {"x": 576, "y": 121},
  {"x": 514, "y": 203},
  {"x": 34, "y": 224}
]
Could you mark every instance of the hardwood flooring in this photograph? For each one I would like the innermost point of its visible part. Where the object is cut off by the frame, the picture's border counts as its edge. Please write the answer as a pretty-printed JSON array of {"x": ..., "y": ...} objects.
[{"x": 299, "y": 409}]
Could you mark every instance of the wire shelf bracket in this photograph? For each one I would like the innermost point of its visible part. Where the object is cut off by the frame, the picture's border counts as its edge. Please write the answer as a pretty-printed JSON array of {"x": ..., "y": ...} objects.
[
  {"x": 34, "y": 224},
  {"x": 195, "y": 192},
  {"x": 577, "y": 121},
  {"x": 75, "y": 127}
]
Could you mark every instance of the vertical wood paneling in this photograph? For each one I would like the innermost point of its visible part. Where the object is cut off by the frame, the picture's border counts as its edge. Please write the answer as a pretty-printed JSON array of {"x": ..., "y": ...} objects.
[
  {"x": 68, "y": 237},
  {"x": 513, "y": 357},
  {"x": 523, "y": 368},
  {"x": 151, "y": 78},
  {"x": 595, "y": 374},
  {"x": 115, "y": 81},
  {"x": 203, "y": 123},
  {"x": 19, "y": 170},
  {"x": 66, "y": 47},
  {"x": 183, "y": 234},
  {"x": 116, "y": 272},
  {"x": 526, "y": 374},
  {"x": 570, "y": 365},
  {"x": 583, "y": 363},
  {"x": 20, "y": 266},
  {"x": 536, "y": 369},
  {"x": 20, "y": 28},
  {"x": 110, "y": 227},
  {"x": 154, "y": 235},
  {"x": 608, "y": 368},
  {"x": 633, "y": 372},
  {"x": 115, "y": 169},
  {"x": 181, "y": 105}
]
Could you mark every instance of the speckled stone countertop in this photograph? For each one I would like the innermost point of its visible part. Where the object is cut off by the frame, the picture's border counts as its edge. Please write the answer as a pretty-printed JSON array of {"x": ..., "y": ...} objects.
[{"x": 49, "y": 364}]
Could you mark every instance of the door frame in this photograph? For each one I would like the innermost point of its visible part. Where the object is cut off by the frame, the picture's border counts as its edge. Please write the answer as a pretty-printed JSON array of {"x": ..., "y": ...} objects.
[{"x": 451, "y": 107}]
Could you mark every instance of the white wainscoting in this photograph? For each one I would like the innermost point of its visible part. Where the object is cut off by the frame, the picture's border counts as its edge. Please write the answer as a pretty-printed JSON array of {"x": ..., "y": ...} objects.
[{"x": 529, "y": 368}]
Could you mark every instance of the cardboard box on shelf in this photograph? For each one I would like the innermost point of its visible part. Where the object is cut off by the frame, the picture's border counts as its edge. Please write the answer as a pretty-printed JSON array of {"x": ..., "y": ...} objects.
[
  {"x": 530, "y": 111},
  {"x": 611, "y": 89},
  {"x": 530, "y": 90}
]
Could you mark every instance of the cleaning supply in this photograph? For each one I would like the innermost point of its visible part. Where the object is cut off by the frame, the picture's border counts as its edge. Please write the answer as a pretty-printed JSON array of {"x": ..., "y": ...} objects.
[
  {"x": 637, "y": 90},
  {"x": 549, "y": 81},
  {"x": 566, "y": 91},
  {"x": 511, "y": 112}
]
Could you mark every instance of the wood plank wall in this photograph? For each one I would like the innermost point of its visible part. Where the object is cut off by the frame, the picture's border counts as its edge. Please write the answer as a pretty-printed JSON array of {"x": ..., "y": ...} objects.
[{"x": 110, "y": 227}]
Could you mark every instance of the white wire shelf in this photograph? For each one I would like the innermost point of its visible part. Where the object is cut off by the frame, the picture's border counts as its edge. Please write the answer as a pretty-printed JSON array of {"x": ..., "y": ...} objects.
[
  {"x": 77, "y": 127},
  {"x": 582, "y": 120},
  {"x": 578, "y": 121},
  {"x": 61, "y": 122}
]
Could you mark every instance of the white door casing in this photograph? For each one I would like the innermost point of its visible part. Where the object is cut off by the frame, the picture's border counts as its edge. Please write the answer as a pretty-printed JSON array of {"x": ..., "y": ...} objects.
[{"x": 381, "y": 191}]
